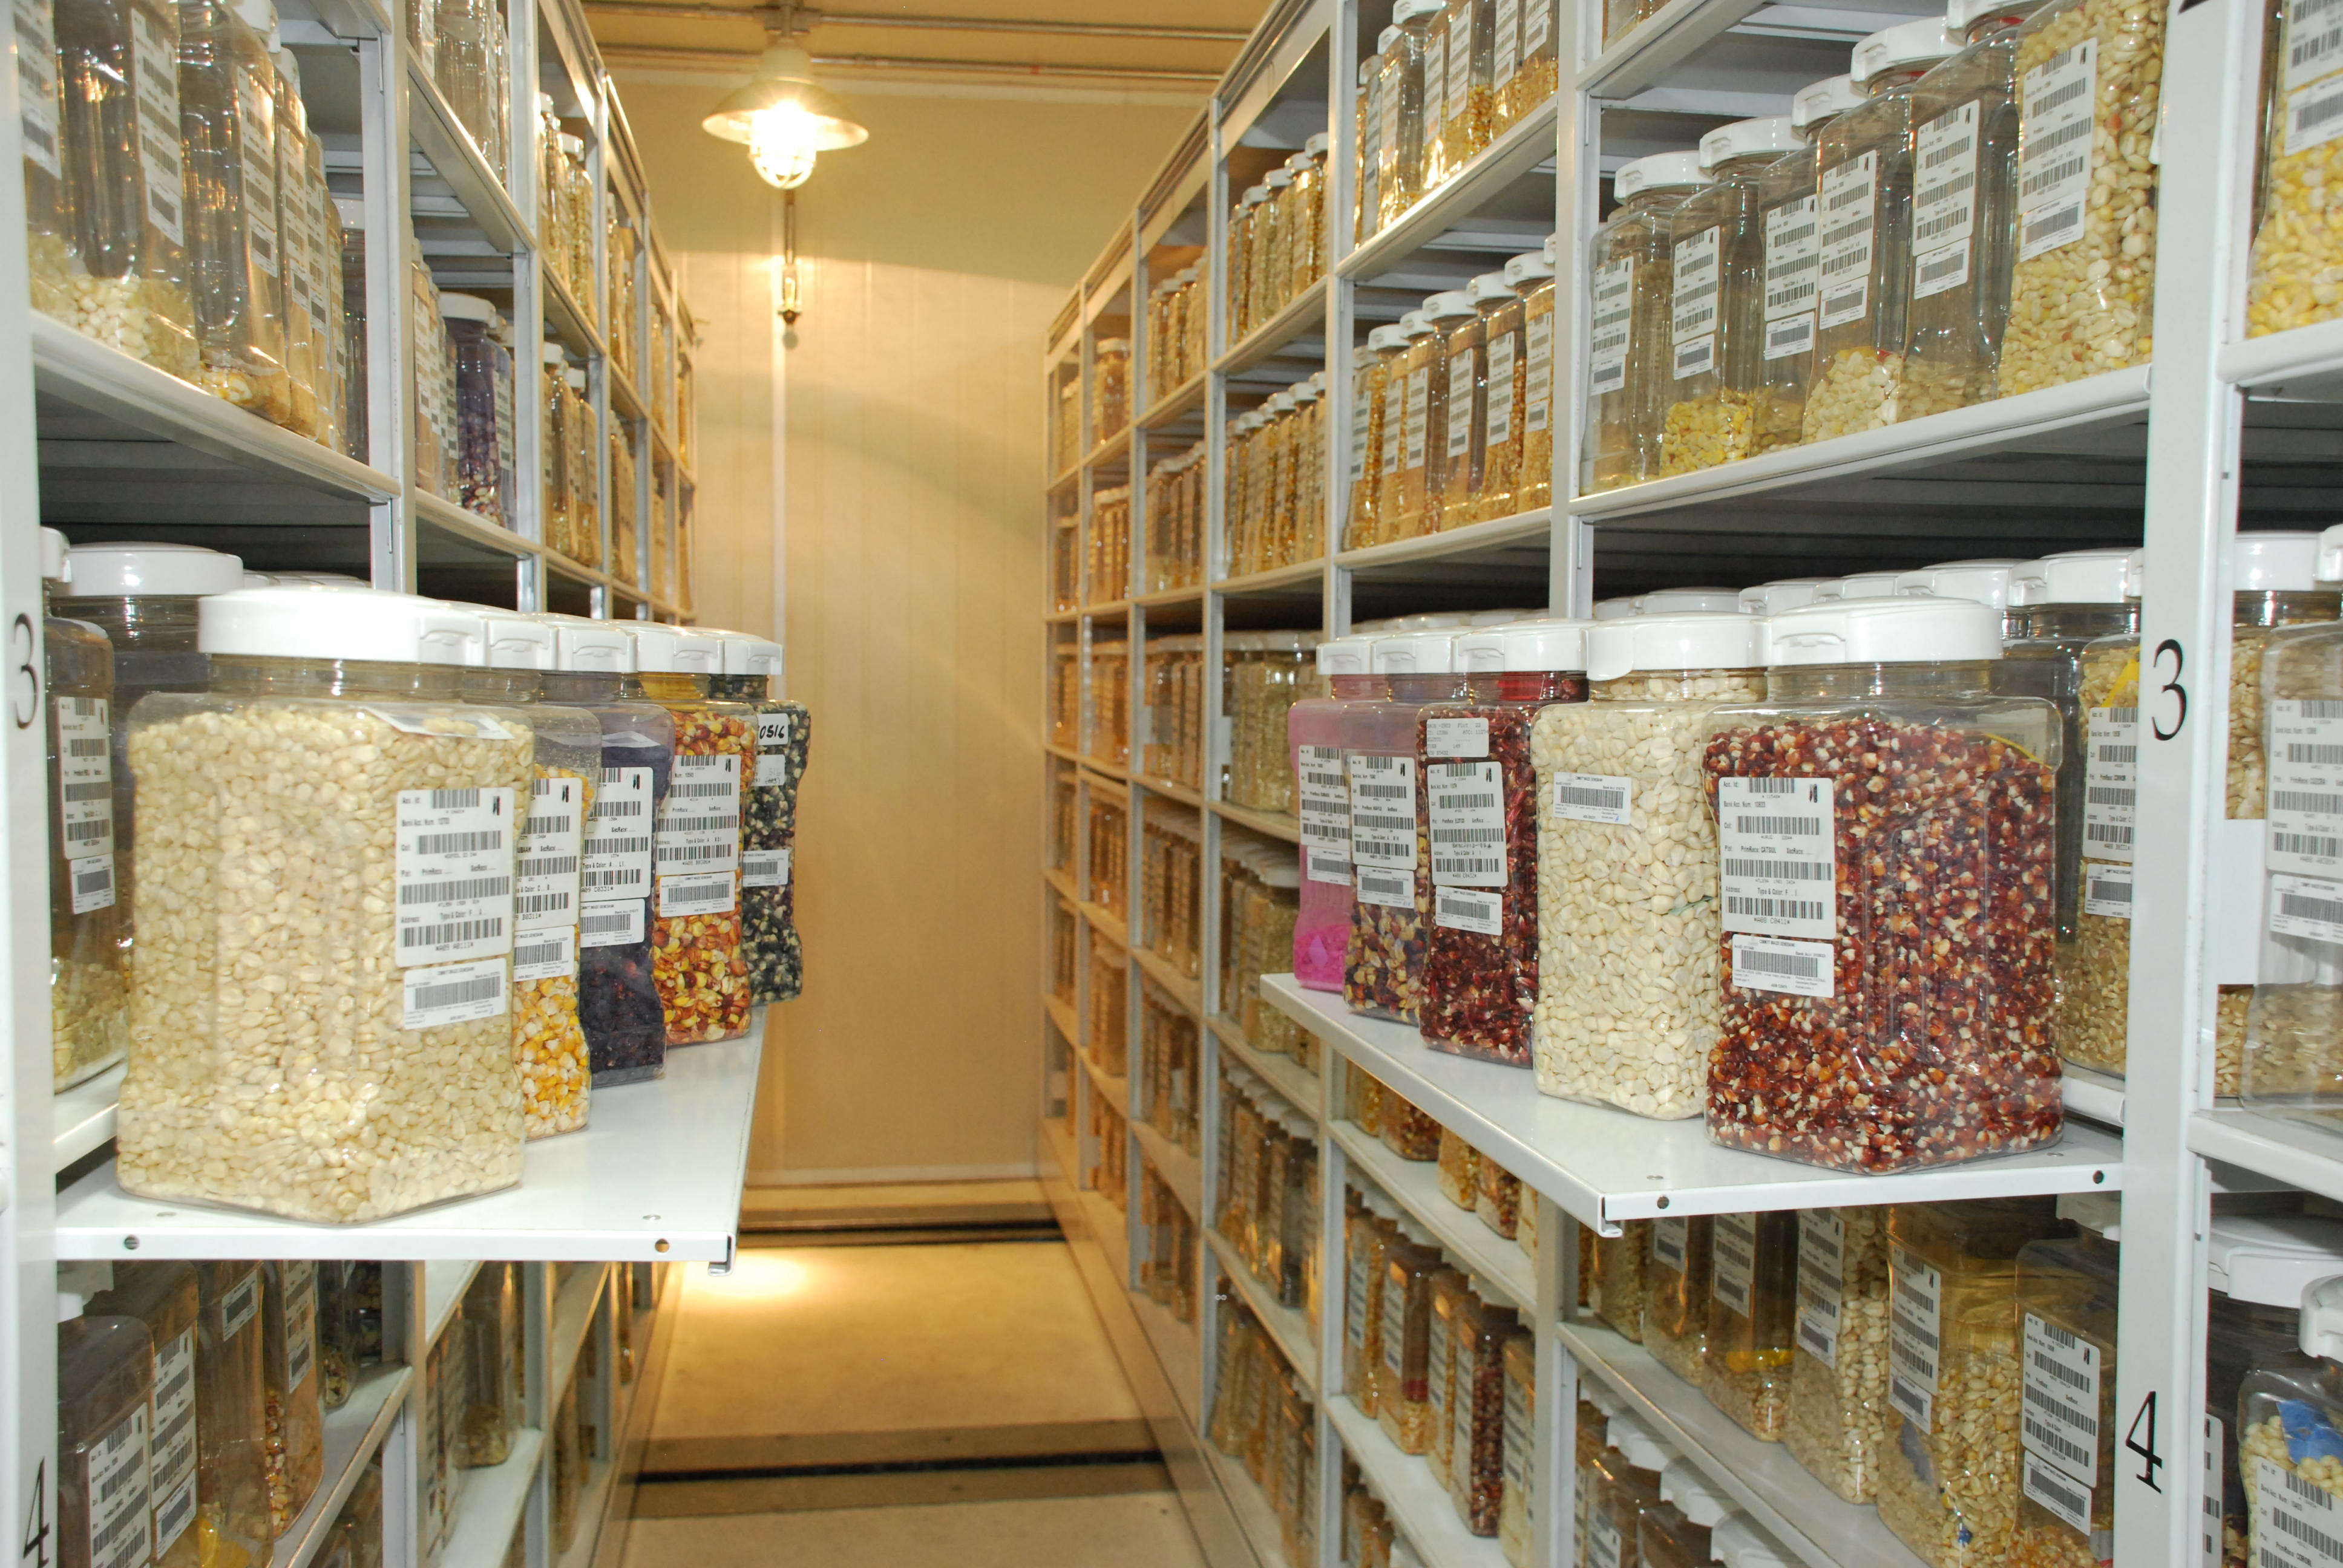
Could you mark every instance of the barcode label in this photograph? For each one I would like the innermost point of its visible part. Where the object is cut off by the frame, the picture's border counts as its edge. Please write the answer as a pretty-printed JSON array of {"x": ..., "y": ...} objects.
[
  {"x": 551, "y": 846},
  {"x": 2062, "y": 1495},
  {"x": 2111, "y": 782},
  {"x": 1392, "y": 889},
  {"x": 1415, "y": 422},
  {"x": 617, "y": 852},
  {"x": 1693, "y": 303},
  {"x": 36, "y": 83},
  {"x": 1383, "y": 813},
  {"x": 1460, "y": 405},
  {"x": 1615, "y": 297},
  {"x": 1944, "y": 200},
  {"x": 2305, "y": 906},
  {"x": 2313, "y": 115},
  {"x": 1466, "y": 910},
  {"x": 2297, "y": 1524},
  {"x": 1782, "y": 965},
  {"x": 2304, "y": 804},
  {"x": 1777, "y": 844},
  {"x": 118, "y": 1498},
  {"x": 240, "y": 1305},
  {"x": 1822, "y": 1283},
  {"x": 2106, "y": 888},
  {"x": 1497, "y": 429},
  {"x": 611, "y": 925},
  {"x": 1916, "y": 1302},
  {"x": 1671, "y": 1243},
  {"x": 2056, "y": 102},
  {"x": 1732, "y": 1261},
  {"x": 454, "y": 993},
  {"x": 300, "y": 1284},
  {"x": 1793, "y": 276},
  {"x": 85, "y": 773},
  {"x": 680, "y": 896},
  {"x": 1395, "y": 421},
  {"x": 764, "y": 867},
  {"x": 1505, "y": 53},
  {"x": 1593, "y": 797},
  {"x": 700, "y": 820},
  {"x": 93, "y": 883},
  {"x": 544, "y": 955},
  {"x": 1324, "y": 795},
  {"x": 174, "y": 1439},
  {"x": 160, "y": 148},
  {"x": 772, "y": 750},
  {"x": 1792, "y": 335},
  {"x": 1537, "y": 371},
  {"x": 454, "y": 872},
  {"x": 2314, "y": 42},
  {"x": 1849, "y": 198},
  {"x": 1466, "y": 815},
  {"x": 2060, "y": 1420}
]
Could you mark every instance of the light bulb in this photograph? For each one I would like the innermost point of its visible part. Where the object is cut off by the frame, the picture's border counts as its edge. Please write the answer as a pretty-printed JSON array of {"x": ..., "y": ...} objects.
[{"x": 782, "y": 144}]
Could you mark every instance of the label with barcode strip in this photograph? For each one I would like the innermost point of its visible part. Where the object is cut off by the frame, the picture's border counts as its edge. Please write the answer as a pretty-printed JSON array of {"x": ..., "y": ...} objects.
[
  {"x": 1324, "y": 795},
  {"x": 772, "y": 750},
  {"x": 2065, "y": 1497},
  {"x": 2056, "y": 103},
  {"x": 700, "y": 820},
  {"x": 453, "y": 868},
  {"x": 1506, "y": 50},
  {"x": 2213, "y": 1534},
  {"x": 299, "y": 1276},
  {"x": 1732, "y": 1261},
  {"x": 551, "y": 845},
  {"x": 84, "y": 777},
  {"x": 2305, "y": 906},
  {"x": 1354, "y": 1299},
  {"x": 2297, "y": 1524},
  {"x": 173, "y": 1440},
  {"x": 764, "y": 867},
  {"x": 2059, "y": 1419},
  {"x": 239, "y": 1306},
  {"x": 1466, "y": 810},
  {"x": 617, "y": 855},
  {"x": 454, "y": 993},
  {"x": 544, "y": 955},
  {"x": 1460, "y": 405},
  {"x": 1849, "y": 210},
  {"x": 1692, "y": 302},
  {"x": 2313, "y": 115},
  {"x": 1537, "y": 371},
  {"x": 2304, "y": 792},
  {"x": 92, "y": 877},
  {"x": 1362, "y": 424},
  {"x": 160, "y": 148},
  {"x": 1604, "y": 1546},
  {"x": 1497, "y": 427},
  {"x": 1469, "y": 909},
  {"x": 1671, "y": 1243},
  {"x": 1822, "y": 1283},
  {"x": 1944, "y": 200},
  {"x": 1607, "y": 354},
  {"x": 1395, "y": 421},
  {"x": 2314, "y": 41},
  {"x": 2106, "y": 888},
  {"x": 1593, "y": 797},
  {"x": 1782, "y": 964},
  {"x": 2111, "y": 782},
  {"x": 1456, "y": 738},
  {"x": 117, "y": 1497},
  {"x": 1914, "y": 1312},
  {"x": 1793, "y": 272},
  {"x": 36, "y": 83},
  {"x": 702, "y": 893},
  {"x": 1390, "y": 889},
  {"x": 1383, "y": 812},
  {"x": 255, "y": 163},
  {"x": 1778, "y": 857},
  {"x": 610, "y": 925}
]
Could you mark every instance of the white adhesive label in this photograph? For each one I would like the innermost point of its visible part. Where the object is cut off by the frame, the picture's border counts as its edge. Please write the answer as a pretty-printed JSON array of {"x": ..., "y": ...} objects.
[
  {"x": 1415, "y": 424},
  {"x": 1469, "y": 909},
  {"x": 2296, "y": 1523},
  {"x": 2060, "y": 1420},
  {"x": 2313, "y": 115},
  {"x": 764, "y": 867},
  {"x": 618, "y": 849},
  {"x": 237, "y": 1307},
  {"x": 173, "y": 1440},
  {"x": 1944, "y": 200},
  {"x": 1395, "y": 421},
  {"x": 36, "y": 83},
  {"x": 1460, "y": 61},
  {"x": 1456, "y": 737},
  {"x": 1518, "y": 1437},
  {"x": 1497, "y": 427},
  {"x": 2314, "y": 41},
  {"x": 2065, "y": 1497},
  {"x": 118, "y": 1500},
  {"x": 545, "y": 954},
  {"x": 1793, "y": 275},
  {"x": 84, "y": 778},
  {"x": 1460, "y": 405},
  {"x": 1603, "y": 1547},
  {"x": 1916, "y": 1304},
  {"x": 1732, "y": 1261},
  {"x": 2305, "y": 906},
  {"x": 2211, "y": 1532},
  {"x": 1505, "y": 55},
  {"x": 1822, "y": 1283},
  {"x": 1593, "y": 797},
  {"x": 2111, "y": 782},
  {"x": 1362, "y": 427},
  {"x": 1782, "y": 964},
  {"x": 1383, "y": 812},
  {"x": 694, "y": 893},
  {"x": 700, "y": 820},
  {"x": 1693, "y": 304},
  {"x": 2305, "y": 804},
  {"x": 551, "y": 849},
  {"x": 1607, "y": 339},
  {"x": 1778, "y": 857},
  {"x": 1537, "y": 21},
  {"x": 2107, "y": 889},
  {"x": 1325, "y": 800},
  {"x": 300, "y": 1278},
  {"x": 1354, "y": 1299},
  {"x": 1537, "y": 372},
  {"x": 2056, "y": 101},
  {"x": 1395, "y": 1330},
  {"x": 611, "y": 925},
  {"x": 1466, "y": 810},
  {"x": 1849, "y": 216},
  {"x": 1671, "y": 1243},
  {"x": 160, "y": 149},
  {"x": 772, "y": 750},
  {"x": 454, "y": 993},
  {"x": 256, "y": 103},
  {"x": 454, "y": 872},
  {"x": 1435, "y": 88}
]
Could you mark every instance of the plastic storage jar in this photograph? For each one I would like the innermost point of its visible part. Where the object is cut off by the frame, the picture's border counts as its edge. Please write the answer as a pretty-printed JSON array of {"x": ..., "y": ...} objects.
[
  {"x": 2297, "y": 275},
  {"x": 1465, "y": 409},
  {"x": 1389, "y": 921},
  {"x": 1524, "y": 63},
  {"x": 1465, "y": 108},
  {"x": 1786, "y": 205},
  {"x": 554, "y": 439},
  {"x": 1863, "y": 162},
  {"x": 161, "y": 1298},
  {"x": 1370, "y": 433},
  {"x": 231, "y": 1417},
  {"x": 1498, "y": 1201},
  {"x": 303, "y": 380},
  {"x": 1626, "y": 1484},
  {"x": 2290, "y": 1431},
  {"x": 1404, "y": 1377},
  {"x": 1460, "y": 1170},
  {"x": 1366, "y": 214},
  {"x": 106, "y": 1394},
  {"x": 2274, "y": 584},
  {"x": 1513, "y": 1508},
  {"x": 1304, "y": 218},
  {"x": 2084, "y": 284},
  {"x": 1949, "y": 1473},
  {"x": 492, "y": 1405},
  {"x": 2067, "y": 1331},
  {"x": 752, "y": 674},
  {"x": 360, "y": 960},
  {"x": 1321, "y": 929},
  {"x": 1422, "y": 486},
  {"x": 2260, "y": 1269},
  {"x": 1752, "y": 1318},
  {"x": 1368, "y": 1232},
  {"x": 1624, "y": 803},
  {"x": 296, "y": 1442},
  {"x": 1632, "y": 276},
  {"x": 1675, "y": 1534},
  {"x": 338, "y": 1331},
  {"x": 1717, "y": 308},
  {"x": 1476, "y": 1413},
  {"x": 1617, "y": 1295},
  {"x": 1964, "y": 212},
  {"x": 1596, "y": 1407},
  {"x": 228, "y": 88},
  {"x": 1456, "y": 1301},
  {"x": 88, "y": 1020},
  {"x": 1407, "y": 1130},
  {"x": 484, "y": 409},
  {"x": 1499, "y": 435},
  {"x": 1837, "y": 1422},
  {"x": 1531, "y": 275},
  {"x": 124, "y": 175},
  {"x": 1410, "y": 69},
  {"x": 1678, "y": 1272},
  {"x": 1883, "y": 767},
  {"x": 1481, "y": 807},
  {"x": 1110, "y": 388},
  {"x": 702, "y": 975},
  {"x": 55, "y": 269}
]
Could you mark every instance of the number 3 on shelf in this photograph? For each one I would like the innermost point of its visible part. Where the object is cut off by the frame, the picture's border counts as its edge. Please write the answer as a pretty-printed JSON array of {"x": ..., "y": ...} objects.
[{"x": 2179, "y": 693}]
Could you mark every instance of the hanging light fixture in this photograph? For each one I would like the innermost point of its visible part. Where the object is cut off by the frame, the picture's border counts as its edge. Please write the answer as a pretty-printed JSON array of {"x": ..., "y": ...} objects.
[{"x": 784, "y": 117}]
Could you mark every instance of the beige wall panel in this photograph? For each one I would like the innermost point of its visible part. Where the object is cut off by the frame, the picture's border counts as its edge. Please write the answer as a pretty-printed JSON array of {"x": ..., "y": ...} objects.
[{"x": 931, "y": 262}]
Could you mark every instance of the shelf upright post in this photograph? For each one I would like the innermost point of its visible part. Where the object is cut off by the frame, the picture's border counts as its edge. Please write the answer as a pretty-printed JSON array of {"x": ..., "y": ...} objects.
[
  {"x": 1577, "y": 187},
  {"x": 525, "y": 175},
  {"x": 605, "y": 170},
  {"x": 2211, "y": 82},
  {"x": 389, "y": 253},
  {"x": 1208, "y": 1044}
]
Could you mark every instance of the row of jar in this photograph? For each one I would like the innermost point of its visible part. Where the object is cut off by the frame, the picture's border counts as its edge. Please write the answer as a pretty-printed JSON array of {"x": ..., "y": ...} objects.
[
  {"x": 1176, "y": 521},
  {"x": 1277, "y": 239},
  {"x": 1109, "y": 858},
  {"x": 1452, "y": 411},
  {"x": 530, "y": 852},
  {"x": 1447, "y": 78},
  {"x": 1468, "y": 1179},
  {"x": 1172, "y": 863},
  {"x": 176, "y": 200},
  {"x": 1170, "y": 1061},
  {"x": 1106, "y": 1031},
  {"x": 1259, "y": 901},
  {"x": 1262, "y": 1419},
  {"x": 1110, "y": 388},
  {"x": 1167, "y": 1258},
  {"x": 1641, "y": 1502},
  {"x": 191, "y": 1401},
  {"x": 1178, "y": 326},
  {"x": 1276, "y": 480},
  {"x": 464, "y": 47},
  {"x": 1106, "y": 553},
  {"x": 1970, "y": 213},
  {"x": 1267, "y": 1189}
]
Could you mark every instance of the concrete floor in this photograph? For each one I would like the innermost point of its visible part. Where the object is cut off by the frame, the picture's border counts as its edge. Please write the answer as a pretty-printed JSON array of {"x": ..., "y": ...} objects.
[{"x": 888, "y": 1406}]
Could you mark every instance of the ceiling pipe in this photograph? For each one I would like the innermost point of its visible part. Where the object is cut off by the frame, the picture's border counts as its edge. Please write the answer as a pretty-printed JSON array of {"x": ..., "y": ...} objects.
[
  {"x": 728, "y": 58},
  {"x": 774, "y": 16}
]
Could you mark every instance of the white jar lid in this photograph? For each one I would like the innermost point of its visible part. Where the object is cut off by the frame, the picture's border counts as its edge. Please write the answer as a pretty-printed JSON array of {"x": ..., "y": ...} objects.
[
  {"x": 1416, "y": 323},
  {"x": 1277, "y": 178},
  {"x": 586, "y": 647},
  {"x": 1691, "y": 601},
  {"x": 1921, "y": 43},
  {"x": 545, "y": 102},
  {"x": 1743, "y": 139},
  {"x": 1543, "y": 644},
  {"x": 467, "y": 308},
  {"x": 1112, "y": 346},
  {"x": 1448, "y": 304},
  {"x": 1303, "y": 391},
  {"x": 257, "y": 579},
  {"x": 514, "y": 640},
  {"x": 1986, "y": 581},
  {"x": 1280, "y": 404},
  {"x": 1690, "y": 1491},
  {"x": 2073, "y": 576},
  {"x": 1407, "y": 11},
  {"x": 1781, "y": 594},
  {"x": 1902, "y": 630},
  {"x": 1501, "y": 616},
  {"x": 576, "y": 375},
  {"x": 2321, "y": 1330},
  {"x": 1527, "y": 267},
  {"x": 1253, "y": 197},
  {"x": 661, "y": 649},
  {"x": 1618, "y": 608},
  {"x": 1298, "y": 165},
  {"x": 57, "y": 556},
  {"x": 746, "y": 653},
  {"x": 1315, "y": 147},
  {"x": 1660, "y": 171},
  {"x": 2275, "y": 562},
  {"x": 1344, "y": 656},
  {"x": 2330, "y": 554},
  {"x": 1741, "y": 1542},
  {"x": 2272, "y": 1259},
  {"x": 134, "y": 570},
  {"x": 1639, "y": 1442},
  {"x": 1819, "y": 101},
  {"x": 551, "y": 354},
  {"x": 1861, "y": 585},
  {"x": 1600, "y": 1395},
  {"x": 358, "y": 623},
  {"x": 1387, "y": 336},
  {"x": 1960, "y": 16},
  {"x": 1657, "y": 642},
  {"x": 1414, "y": 653},
  {"x": 1384, "y": 41},
  {"x": 574, "y": 145},
  {"x": 1488, "y": 287}
]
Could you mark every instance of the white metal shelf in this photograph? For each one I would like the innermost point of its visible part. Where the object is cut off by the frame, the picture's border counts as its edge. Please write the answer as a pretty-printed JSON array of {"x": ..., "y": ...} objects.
[
  {"x": 443, "y": 1284},
  {"x": 2296, "y": 1152},
  {"x": 2306, "y": 363},
  {"x": 1418, "y": 1500},
  {"x": 575, "y": 1302},
  {"x": 1450, "y": 545},
  {"x": 1281, "y": 332},
  {"x": 656, "y": 1176},
  {"x": 1290, "y": 1329},
  {"x": 2097, "y": 1095},
  {"x": 1305, "y": 1091},
  {"x": 1605, "y": 1166},
  {"x": 443, "y": 139},
  {"x": 1252, "y": 1509},
  {"x": 489, "y": 1505},
  {"x": 352, "y": 1436},
  {"x": 1268, "y": 824},
  {"x": 1177, "y": 1350},
  {"x": 1414, "y": 1185},
  {"x": 1446, "y": 218},
  {"x": 84, "y": 1115},
  {"x": 1180, "y": 1170}
]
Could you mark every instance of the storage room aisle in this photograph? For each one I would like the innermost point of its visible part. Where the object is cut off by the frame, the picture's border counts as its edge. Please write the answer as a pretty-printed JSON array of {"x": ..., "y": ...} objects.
[{"x": 858, "y": 1401}]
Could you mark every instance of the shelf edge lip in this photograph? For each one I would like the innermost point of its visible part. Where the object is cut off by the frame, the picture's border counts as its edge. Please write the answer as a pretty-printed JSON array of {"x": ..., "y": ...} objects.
[
  {"x": 1477, "y": 1248},
  {"x": 1301, "y": 1357},
  {"x": 2297, "y": 1154},
  {"x": 1181, "y": 1172},
  {"x": 90, "y": 1106},
  {"x": 1268, "y": 824},
  {"x": 1516, "y": 152},
  {"x": 1185, "y": 398},
  {"x": 1164, "y": 598},
  {"x": 528, "y": 1452},
  {"x": 2107, "y": 398},
  {"x": 1295, "y": 317},
  {"x": 1484, "y": 534},
  {"x": 1187, "y": 993},
  {"x": 1115, "y": 446},
  {"x": 1275, "y": 578},
  {"x": 504, "y": 214},
  {"x": 1656, "y": 48},
  {"x": 2251, "y": 364},
  {"x": 299, "y": 1545},
  {"x": 1180, "y": 794},
  {"x": 1273, "y": 1071},
  {"x": 1401, "y": 1480},
  {"x": 444, "y": 514},
  {"x": 2097, "y": 1095}
]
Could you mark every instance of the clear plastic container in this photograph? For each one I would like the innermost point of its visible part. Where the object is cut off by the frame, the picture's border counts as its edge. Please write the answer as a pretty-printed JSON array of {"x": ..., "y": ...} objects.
[
  {"x": 1515, "y": 1508},
  {"x": 1465, "y": 109},
  {"x": 2084, "y": 288},
  {"x": 51, "y": 253},
  {"x": 1496, "y": 435},
  {"x": 1531, "y": 275},
  {"x": 1476, "y": 1411},
  {"x": 1465, "y": 416},
  {"x": 1717, "y": 304},
  {"x": 106, "y": 1395},
  {"x": 1460, "y": 1170},
  {"x": 1110, "y": 388},
  {"x": 1786, "y": 202},
  {"x": 1403, "y": 1382},
  {"x": 88, "y": 1017},
  {"x": 1415, "y": 468},
  {"x": 1837, "y": 1424},
  {"x": 1374, "y": 407},
  {"x": 296, "y": 1443},
  {"x": 1626, "y": 1484},
  {"x": 1480, "y": 971},
  {"x": 2296, "y": 275},
  {"x": 1949, "y": 1474},
  {"x": 1596, "y": 1406},
  {"x": 1677, "y": 1270},
  {"x": 492, "y": 1399},
  {"x": 1863, "y": 162},
  {"x": 2066, "y": 1329},
  {"x": 125, "y": 173},
  {"x": 1526, "y": 65},
  {"x": 1753, "y": 1319},
  {"x": 231, "y": 1417},
  {"x": 553, "y": 440},
  {"x": 1366, "y": 214},
  {"x": 1497, "y": 1200},
  {"x": 1616, "y": 1292},
  {"x": 1391, "y": 863},
  {"x": 579, "y": 423},
  {"x": 1880, "y": 759},
  {"x": 338, "y": 1349},
  {"x": 1619, "y": 778},
  {"x": 484, "y": 410},
  {"x": 1415, "y": 57},
  {"x": 697, "y": 957},
  {"x": 161, "y": 1296},
  {"x": 1454, "y": 1303},
  {"x": 302, "y": 371},
  {"x": 768, "y": 936},
  {"x": 228, "y": 88},
  {"x": 1963, "y": 218},
  {"x": 1366, "y": 1248},
  {"x": 1305, "y": 217},
  {"x": 1632, "y": 279},
  {"x": 1407, "y": 1129},
  {"x": 1675, "y": 1534},
  {"x": 300, "y": 676}
]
